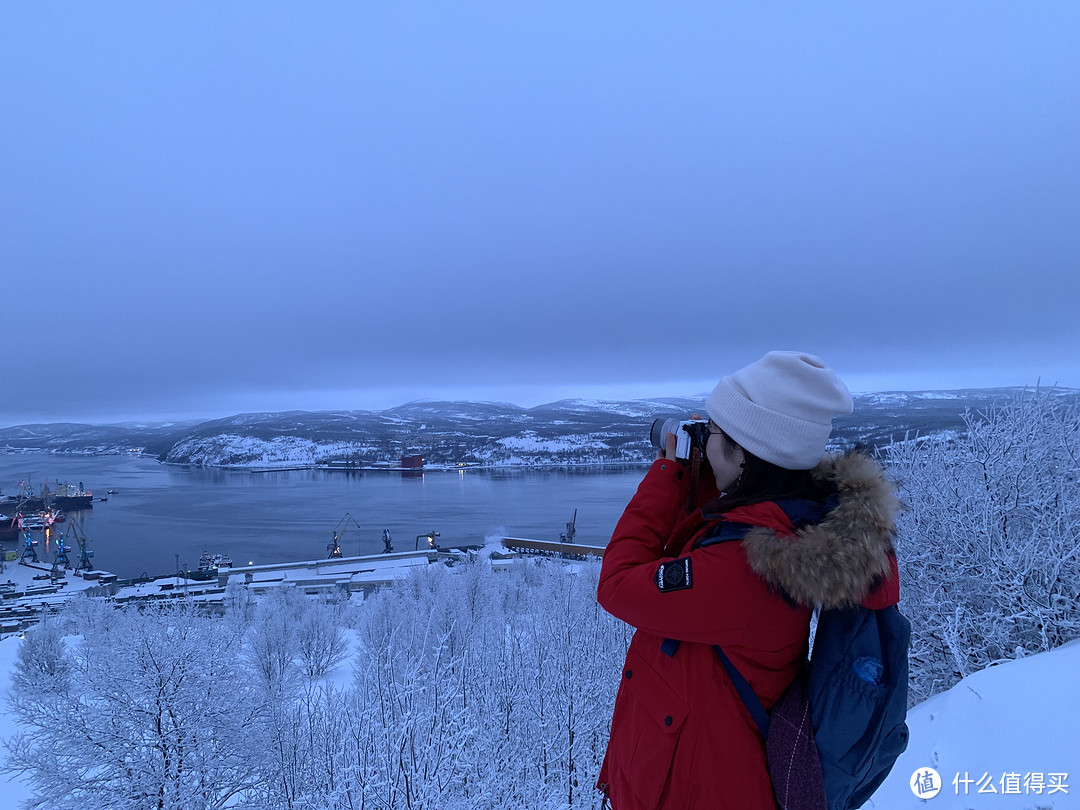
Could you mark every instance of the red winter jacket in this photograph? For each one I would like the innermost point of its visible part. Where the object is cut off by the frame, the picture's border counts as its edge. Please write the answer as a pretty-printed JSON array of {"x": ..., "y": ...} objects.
[{"x": 681, "y": 737}]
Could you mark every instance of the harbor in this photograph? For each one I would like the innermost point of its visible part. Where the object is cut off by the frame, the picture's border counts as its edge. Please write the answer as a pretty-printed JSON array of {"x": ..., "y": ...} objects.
[
  {"x": 47, "y": 557},
  {"x": 162, "y": 517}
]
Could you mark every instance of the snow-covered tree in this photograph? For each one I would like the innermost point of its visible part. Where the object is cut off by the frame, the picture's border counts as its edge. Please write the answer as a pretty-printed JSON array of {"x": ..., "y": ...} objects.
[
  {"x": 990, "y": 539},
  {"x": 471, "y": 689},
  {"x": 43, "y": 667},
  {"x": 320, "y": 638},
  {"x": 240, "y": 605},
  {"x": 156, "y": 716},
  {"x": 272, "y": 644},
  {"x": 293, "y": 633}
]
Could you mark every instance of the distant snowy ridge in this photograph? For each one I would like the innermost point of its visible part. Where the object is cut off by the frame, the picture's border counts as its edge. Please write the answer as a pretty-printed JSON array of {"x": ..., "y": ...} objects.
[
  {"x": 451, "y": 433},
  {"x": 570, "y": 432},
  {"x": 646, "y": 408}
]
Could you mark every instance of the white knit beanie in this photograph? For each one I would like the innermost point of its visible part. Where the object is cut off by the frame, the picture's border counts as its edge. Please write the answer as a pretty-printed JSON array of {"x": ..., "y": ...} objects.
[{"x": 781, "y": 408}]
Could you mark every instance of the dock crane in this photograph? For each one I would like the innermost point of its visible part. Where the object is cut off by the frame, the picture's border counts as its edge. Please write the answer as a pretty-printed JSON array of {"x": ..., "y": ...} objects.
[
  {"x": 571, "y": 530},
  {"x": 430, "y": 538},
  {"x": 60, "y": 560},
  {"x": 85, "y": 553},
  {"x": 29, "y": 552},
  {"x": 338, "y": 533}
]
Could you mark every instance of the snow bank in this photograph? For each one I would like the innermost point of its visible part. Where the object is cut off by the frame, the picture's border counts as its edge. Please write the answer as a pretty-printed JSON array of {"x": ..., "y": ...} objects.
[{"x": 1006, "y": 728}]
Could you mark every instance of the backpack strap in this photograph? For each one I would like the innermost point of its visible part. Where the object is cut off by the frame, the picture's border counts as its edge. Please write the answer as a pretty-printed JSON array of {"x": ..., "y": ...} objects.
[
  {"x": 725, "y": 531},
  {"x": 753, "y": 703},
  {"x": 729, "y": 530},
  {"x": 801, "y": 512},
  {"x": 669, "y": 647}
]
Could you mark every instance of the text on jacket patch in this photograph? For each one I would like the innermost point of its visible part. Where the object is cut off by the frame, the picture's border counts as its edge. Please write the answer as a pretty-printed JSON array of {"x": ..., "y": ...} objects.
[{"x": 673, "y": 575}]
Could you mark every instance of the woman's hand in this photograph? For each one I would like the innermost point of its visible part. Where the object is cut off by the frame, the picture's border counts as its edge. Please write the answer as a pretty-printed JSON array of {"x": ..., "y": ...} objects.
[{"x": 670, "y": 442}]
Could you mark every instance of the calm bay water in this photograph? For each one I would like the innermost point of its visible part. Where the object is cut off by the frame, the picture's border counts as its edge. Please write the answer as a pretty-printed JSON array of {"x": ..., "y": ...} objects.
[{"x": 160, "y": 511}]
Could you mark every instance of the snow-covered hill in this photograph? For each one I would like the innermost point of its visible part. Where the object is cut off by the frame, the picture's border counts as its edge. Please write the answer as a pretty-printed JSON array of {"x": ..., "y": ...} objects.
[{"x": 568, "y": 432}]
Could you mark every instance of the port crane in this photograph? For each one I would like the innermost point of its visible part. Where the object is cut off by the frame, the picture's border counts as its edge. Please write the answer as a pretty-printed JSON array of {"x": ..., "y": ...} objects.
[
  {"x": 29, "y": 552},
  {"x": 85, "y": 553},
  {"x": 338, "y": 533},
  {"x": 571, "y": 530},
  {"x": 429, "y": 538}
]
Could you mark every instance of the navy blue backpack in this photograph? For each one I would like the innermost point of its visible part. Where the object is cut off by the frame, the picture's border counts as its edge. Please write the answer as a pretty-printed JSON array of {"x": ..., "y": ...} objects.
[
  {"x": 833, "y": 736},
  {"x": 857, "y": 690}
]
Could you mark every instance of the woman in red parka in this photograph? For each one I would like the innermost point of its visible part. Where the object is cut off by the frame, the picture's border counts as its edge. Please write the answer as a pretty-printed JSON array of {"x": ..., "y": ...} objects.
[{"x": 821, "y": 531}]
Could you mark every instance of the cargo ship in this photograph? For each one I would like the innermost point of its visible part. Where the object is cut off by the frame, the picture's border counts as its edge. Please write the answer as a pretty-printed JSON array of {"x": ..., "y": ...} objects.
[
  {"x": 69, "y": 497},
  {"x": 65, "y": 496}
]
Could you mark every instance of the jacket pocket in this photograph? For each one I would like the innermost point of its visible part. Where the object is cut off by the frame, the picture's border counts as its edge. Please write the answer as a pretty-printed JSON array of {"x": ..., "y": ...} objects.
[{"x": 647, "y": 723}]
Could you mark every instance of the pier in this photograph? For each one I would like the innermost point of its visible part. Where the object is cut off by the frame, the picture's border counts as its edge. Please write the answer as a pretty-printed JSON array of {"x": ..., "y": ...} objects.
[{"x": 30, "y": 592}]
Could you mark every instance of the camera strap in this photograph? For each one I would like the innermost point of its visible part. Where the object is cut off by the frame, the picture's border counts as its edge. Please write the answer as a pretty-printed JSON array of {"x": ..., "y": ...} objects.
[{"x": 695, "y": 476}]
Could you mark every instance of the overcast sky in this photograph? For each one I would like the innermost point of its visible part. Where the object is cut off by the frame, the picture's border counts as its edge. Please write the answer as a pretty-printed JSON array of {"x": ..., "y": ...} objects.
[{"x": 216, "y": 207}]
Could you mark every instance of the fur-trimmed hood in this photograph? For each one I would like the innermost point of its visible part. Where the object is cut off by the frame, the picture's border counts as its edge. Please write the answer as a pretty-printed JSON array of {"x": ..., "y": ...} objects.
[{"x": 839, "y": 560}]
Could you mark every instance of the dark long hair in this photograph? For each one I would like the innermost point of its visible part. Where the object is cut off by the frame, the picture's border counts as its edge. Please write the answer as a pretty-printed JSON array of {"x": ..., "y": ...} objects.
[{"x": 762, "y": 480}]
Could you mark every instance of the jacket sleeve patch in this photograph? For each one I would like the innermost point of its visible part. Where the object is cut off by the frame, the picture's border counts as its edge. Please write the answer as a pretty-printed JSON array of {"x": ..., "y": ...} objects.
[{"x": 674, "y": 575}]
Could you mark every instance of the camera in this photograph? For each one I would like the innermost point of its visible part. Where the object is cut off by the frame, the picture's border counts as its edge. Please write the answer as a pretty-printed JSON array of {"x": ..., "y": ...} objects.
[{"x": 689, "y": 433}]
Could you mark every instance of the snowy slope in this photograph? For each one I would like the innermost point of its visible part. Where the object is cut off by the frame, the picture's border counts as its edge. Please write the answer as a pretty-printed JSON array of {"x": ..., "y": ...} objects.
[{"x": 1001, "y": 728}]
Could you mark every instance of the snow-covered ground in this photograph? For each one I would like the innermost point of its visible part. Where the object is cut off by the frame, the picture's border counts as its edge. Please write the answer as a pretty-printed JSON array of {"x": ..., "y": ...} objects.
[{"x": 1011, "y": 730}]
